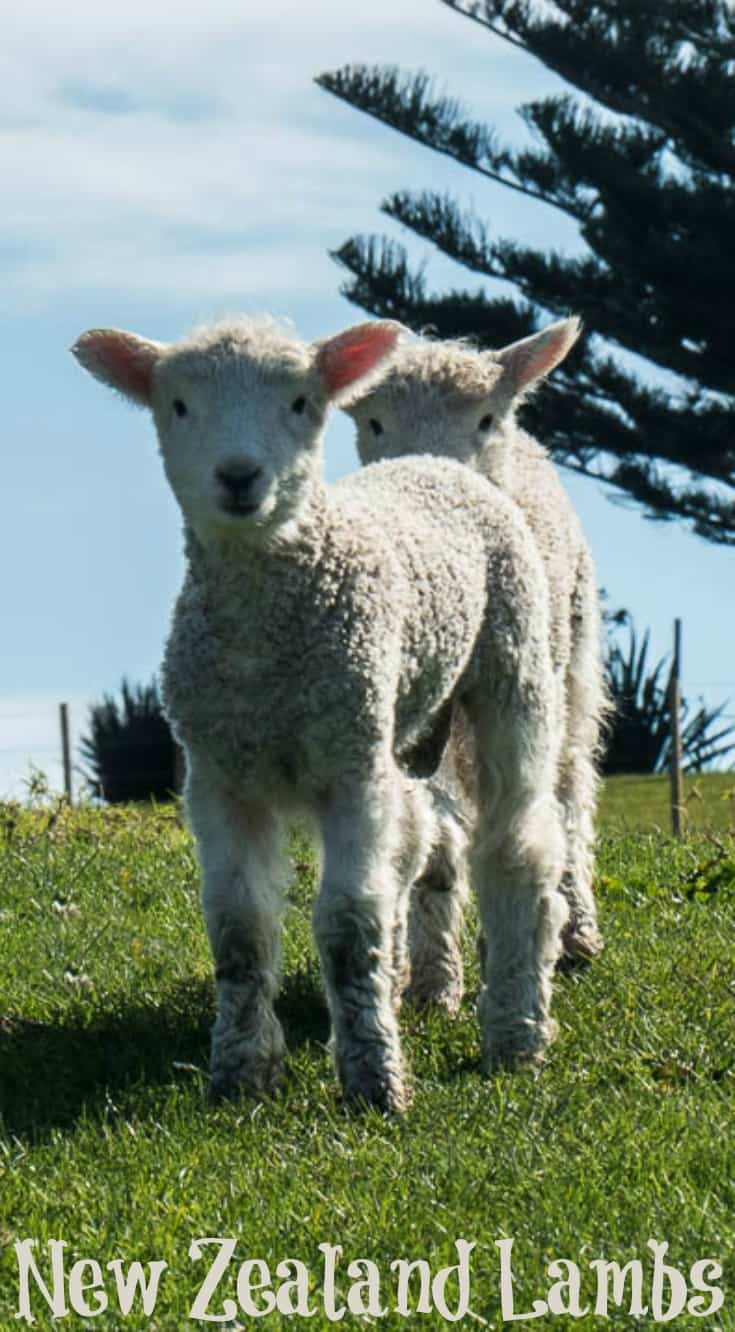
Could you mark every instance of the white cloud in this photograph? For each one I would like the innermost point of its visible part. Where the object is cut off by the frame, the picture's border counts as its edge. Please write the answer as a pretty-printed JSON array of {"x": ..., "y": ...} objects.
[{"x": 165, "y": 149}]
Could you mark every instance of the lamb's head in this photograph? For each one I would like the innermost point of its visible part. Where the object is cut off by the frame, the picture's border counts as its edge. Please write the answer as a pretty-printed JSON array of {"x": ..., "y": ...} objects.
[
  {"x": 448, "y": 399},
  {"x": 239, "y": 408}
]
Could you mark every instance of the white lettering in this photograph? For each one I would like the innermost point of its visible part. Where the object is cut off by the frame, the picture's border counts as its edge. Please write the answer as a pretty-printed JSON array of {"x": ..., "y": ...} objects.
[
  {"x": 606, "y": 1270},
  {"x": 507, "y": 1311},
  {"x": 662, "y": 1273},
  {"x": 331, "y": 1253},
  {"x": 27, "y": 1267},
  {"x": 439, "y": 1284},
  {"x": 246, "y": 1283},
  {"x": 696, "y": 1276},
  {"x": 371, "y": 1282},
  {"x": 284, "y": 1303},
  {"x": 212, "y": 1280},
  {"x": 77, "y": 1287},
  {"x": 127, "y": 1283},
  {"x": 563, "y": 1297},
  {"x": 405, "y": 1269}
]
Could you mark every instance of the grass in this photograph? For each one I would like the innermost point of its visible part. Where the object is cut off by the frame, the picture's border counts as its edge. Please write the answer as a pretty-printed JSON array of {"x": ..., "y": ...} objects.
[
  {"x": 106, "y": 1140},
  {"x": 634, "y": 803}
]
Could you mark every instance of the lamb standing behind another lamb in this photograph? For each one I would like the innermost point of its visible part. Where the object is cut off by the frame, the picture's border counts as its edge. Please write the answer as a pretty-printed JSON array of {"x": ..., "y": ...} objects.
[
  {"x": 321, "y": 635},
  {"x": 448, "y": 400}
]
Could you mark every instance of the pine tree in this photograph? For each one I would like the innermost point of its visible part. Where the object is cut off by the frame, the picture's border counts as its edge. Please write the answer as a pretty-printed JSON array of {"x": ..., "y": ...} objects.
[{"x": 645, "y": 165}]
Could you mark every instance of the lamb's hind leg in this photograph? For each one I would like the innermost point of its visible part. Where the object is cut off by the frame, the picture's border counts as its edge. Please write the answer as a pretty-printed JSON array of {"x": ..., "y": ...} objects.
[
  {"x": 517, "y": 861},
  {"x": 355, "y": 923},
  {"x": 241, "y": 851},
  {"x": 416, "y": 835},
  {"x": 438, "y": 899},
  {"x": 586, "y": 699}
]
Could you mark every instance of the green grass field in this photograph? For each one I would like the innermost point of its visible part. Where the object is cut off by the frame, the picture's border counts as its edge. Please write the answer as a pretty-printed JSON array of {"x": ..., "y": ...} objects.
[
  {"x": 632, "y": 804},
  {"x": 106, "y": 1142}
]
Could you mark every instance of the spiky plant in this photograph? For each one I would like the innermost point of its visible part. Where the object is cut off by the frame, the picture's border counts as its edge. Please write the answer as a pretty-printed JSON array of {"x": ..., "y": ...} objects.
[
  {"x": 639, "y": 737},
  {"x": 129, "y": 748}
]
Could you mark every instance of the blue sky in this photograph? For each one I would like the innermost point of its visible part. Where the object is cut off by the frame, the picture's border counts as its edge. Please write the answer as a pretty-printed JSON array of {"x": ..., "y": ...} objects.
[{"x": 162, "y": 164}]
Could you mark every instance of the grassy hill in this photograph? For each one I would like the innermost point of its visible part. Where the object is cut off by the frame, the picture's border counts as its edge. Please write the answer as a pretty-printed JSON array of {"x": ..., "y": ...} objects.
[
  {"x": 106, "y": 1141},
  {"x": 636, "y": 803}
]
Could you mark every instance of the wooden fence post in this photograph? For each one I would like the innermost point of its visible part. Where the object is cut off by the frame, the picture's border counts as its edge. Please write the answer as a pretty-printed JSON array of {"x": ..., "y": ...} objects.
[
  {"x": 677, "y": 799},
  {"x": 66, "y": 749}
]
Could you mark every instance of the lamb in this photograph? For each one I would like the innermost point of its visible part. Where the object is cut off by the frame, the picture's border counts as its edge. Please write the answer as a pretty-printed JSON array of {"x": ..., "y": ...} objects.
[
  {"x": 446, "y": 399},
  {"x": 322, "y": 637}
]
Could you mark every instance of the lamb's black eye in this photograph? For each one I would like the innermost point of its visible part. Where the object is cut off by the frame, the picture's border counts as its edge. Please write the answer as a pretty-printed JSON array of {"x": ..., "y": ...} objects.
[
  {"x": 486, "y": 422},
  {"x": 298, "y": 405},
  {"x": 375, "y": 426},
  {"x": 180, "y": 407}
]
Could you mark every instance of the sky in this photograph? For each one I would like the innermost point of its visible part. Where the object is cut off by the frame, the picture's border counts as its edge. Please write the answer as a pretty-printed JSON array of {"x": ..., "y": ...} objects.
[{"x": 164, "y": 164}]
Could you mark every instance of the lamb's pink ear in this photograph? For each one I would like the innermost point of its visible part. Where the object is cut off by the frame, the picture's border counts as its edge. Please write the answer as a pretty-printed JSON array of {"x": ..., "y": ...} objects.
[
  {"x": 122, "y": 360},
  {"x": 532, "y": 358},
  {"x": 353, "y": 354}
]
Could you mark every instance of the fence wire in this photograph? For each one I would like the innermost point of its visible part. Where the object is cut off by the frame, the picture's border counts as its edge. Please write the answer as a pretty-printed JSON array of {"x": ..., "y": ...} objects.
[{"x": 17, "y": 760}]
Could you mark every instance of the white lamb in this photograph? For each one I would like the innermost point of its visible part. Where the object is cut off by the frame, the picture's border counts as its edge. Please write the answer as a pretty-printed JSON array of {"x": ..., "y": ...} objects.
[
  {"x": 321, "y": 638},
  {"x": 447, "y": 399}
]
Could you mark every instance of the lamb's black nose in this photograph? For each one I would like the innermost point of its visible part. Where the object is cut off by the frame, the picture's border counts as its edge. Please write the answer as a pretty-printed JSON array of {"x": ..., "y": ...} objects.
[{"x": 237, "y": 478}]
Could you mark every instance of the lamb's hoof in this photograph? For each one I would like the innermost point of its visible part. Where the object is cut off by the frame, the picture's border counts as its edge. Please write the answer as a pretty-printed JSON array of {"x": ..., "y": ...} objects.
[
  {"x": 522, "y": 1047},
  {"x": 222, "y": 1087},
  {"x": 437, "y": 981},
  {"x": 388, "y": 1100},
  {"x": 581, "y": 941},
  {"x": 233, "y": 1084},
  {"x": 447, "y": 997},
  {"x": 377, "y": 1090}
]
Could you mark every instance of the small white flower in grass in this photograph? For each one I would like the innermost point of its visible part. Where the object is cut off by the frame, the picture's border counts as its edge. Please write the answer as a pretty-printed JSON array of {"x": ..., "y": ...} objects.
[
  {"x": 64, "y": 908},
  {"x": 77, "y": 978}
]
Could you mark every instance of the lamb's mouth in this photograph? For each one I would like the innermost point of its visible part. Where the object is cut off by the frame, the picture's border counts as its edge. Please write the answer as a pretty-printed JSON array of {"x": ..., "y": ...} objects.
[{"x": 239, "y": 508}]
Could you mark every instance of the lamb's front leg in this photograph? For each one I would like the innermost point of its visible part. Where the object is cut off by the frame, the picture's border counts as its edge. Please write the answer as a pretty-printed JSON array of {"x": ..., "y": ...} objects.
[
  {"x": 354, "y": 920},
  {"x": 240, "y": 846}
]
